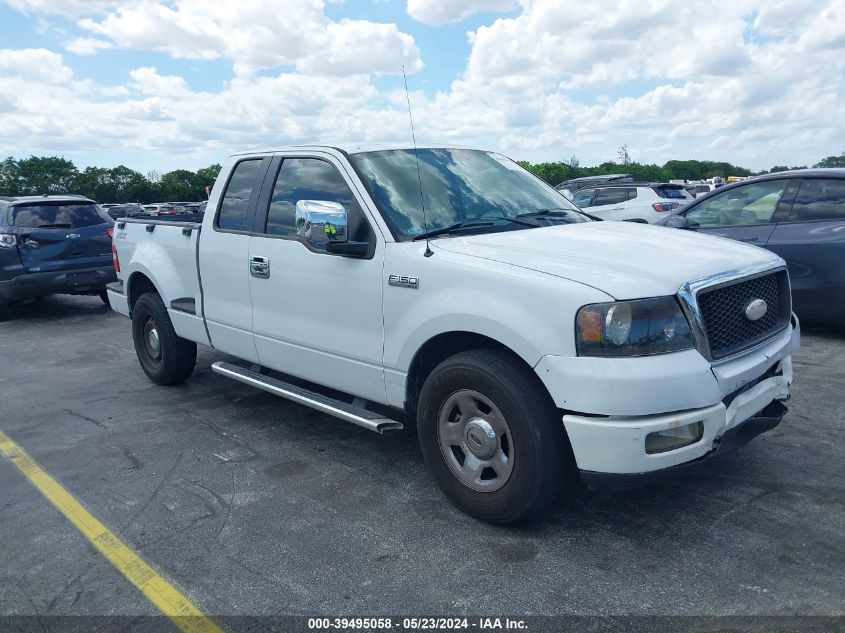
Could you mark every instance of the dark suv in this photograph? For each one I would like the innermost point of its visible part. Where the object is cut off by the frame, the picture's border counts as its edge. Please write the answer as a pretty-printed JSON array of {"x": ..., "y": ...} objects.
[{"x": 53, "y": 245}]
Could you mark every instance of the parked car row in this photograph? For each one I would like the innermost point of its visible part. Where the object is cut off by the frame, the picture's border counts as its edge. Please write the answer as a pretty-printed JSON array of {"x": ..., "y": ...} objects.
[
  {"x": 156, "y": 209},
  {"x": 173, "y": 208},
  {"x": 122, "y": 210}
]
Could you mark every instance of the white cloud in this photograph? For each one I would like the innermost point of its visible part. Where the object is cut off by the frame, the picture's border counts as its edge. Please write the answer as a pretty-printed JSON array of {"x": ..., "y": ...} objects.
[
  {"x": 761, "y": 83},
  {"x": 68, "y": 8},
  {"x": 87, "y": 45},
  {"x": 436, "y": 12},
  {"x": 34, "y": 65},
  {"x": 258, "y": 34}
]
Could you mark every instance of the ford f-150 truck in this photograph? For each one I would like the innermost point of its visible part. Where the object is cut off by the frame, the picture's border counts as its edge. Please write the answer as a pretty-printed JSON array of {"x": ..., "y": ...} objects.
[{"x": 535, "y": 348}]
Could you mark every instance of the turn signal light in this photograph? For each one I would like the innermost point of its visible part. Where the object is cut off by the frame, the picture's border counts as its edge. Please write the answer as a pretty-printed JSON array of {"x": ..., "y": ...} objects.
[{"x": 589, "y": 326}]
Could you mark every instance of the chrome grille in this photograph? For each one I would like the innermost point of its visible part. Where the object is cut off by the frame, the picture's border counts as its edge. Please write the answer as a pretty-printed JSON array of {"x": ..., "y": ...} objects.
[{"x": 727, "y": 328}]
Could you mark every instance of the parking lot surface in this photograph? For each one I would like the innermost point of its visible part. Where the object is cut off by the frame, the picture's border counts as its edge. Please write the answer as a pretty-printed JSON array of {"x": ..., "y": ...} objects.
[{"x": 254, "y": 505}]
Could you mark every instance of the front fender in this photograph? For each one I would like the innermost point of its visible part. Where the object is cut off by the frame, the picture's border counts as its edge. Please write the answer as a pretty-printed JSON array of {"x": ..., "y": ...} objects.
[{"x": 529, "y": 312}]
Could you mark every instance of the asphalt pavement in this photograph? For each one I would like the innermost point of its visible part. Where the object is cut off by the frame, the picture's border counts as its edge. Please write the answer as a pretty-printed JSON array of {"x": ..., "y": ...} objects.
[{"x": 253, "y": 505}]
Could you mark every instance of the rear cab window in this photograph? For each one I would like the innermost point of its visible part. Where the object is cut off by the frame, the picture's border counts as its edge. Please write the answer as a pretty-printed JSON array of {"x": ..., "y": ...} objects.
[
  {"x": 235, "y": 204},
  {"x": 58, "y": 215}
]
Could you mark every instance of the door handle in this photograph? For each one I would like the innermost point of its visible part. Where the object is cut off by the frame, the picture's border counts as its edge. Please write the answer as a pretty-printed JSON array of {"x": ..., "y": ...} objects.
[{"x": 259, "y": 267}]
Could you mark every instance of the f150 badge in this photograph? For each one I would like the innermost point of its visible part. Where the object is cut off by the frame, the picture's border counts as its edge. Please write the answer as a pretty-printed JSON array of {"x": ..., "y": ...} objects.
[{"x": 403, "y": 281}]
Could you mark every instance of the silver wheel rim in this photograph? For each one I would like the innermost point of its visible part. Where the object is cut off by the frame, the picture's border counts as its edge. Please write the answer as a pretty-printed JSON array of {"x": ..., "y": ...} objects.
[
  {"x": 475, "y": 441},
  {"x": 152, "y": 343}
]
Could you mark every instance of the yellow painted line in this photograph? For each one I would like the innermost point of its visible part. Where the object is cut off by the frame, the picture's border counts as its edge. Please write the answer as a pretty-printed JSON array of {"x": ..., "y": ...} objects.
[{"x": 167, "y": 598}]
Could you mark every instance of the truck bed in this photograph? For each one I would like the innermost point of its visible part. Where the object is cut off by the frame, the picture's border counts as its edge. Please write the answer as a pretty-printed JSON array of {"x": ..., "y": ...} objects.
[{"x": 167, "y": 253}]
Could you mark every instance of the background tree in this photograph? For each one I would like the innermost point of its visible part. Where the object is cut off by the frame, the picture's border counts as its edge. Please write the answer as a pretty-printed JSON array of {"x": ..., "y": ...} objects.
[
  {"x": 832, "y": 161},
  {"x": 623, "y": 154},
  {"x": 206, "y": 177},
  {"x": 39, "y": 175}
]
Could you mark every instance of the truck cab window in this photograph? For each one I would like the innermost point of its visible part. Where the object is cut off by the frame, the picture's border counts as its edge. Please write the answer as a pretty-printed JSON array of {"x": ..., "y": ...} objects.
[
  {"x": 233, "y": 209},
  {"x": 306, "y": 179}
]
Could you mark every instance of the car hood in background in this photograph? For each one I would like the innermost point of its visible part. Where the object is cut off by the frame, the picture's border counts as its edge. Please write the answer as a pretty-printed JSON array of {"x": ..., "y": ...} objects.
[{"x": 624, "y": 259}]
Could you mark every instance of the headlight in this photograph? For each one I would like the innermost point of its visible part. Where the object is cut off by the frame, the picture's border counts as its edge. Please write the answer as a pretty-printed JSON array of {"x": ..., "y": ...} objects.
[{"x": 633, "y": 328}]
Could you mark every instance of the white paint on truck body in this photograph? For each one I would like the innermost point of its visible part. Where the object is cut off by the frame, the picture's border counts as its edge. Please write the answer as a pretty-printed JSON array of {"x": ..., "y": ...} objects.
[{"x": 338, "y": 321}]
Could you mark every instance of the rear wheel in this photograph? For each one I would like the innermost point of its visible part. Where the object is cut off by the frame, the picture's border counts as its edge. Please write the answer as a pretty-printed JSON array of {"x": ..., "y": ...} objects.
[
  {"x": 104, "y": 296},
  {"x": 165, "y": 357},
  {"x": 492, "y": 437},
  {"x": 4, "y": 310}
]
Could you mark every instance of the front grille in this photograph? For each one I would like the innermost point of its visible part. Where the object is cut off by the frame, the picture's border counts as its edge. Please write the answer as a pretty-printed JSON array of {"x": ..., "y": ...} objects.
[{"x": 725, "y": 323}]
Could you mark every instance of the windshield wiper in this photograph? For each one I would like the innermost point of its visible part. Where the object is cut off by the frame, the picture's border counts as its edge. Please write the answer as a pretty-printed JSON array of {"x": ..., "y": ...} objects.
[
  {"x": 456, "y": 226},
  {"x": 59, "y": 225},
  {"x": 555, "y": 213},
  {"x": 559, "y": 212},
  {"x": 472, "y": 223}
]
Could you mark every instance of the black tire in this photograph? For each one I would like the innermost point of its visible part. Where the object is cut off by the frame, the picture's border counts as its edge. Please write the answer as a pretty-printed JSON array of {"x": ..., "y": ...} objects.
[
  {"x": 542, "y": 464},
  {"x": 176, "y": 356},
  {"x": 104, "y": 296},
  {"x": 4, "y": 311}
]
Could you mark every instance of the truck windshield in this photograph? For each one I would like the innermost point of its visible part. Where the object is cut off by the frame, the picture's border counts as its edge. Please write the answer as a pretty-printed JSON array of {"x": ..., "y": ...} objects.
[{"x": 459, "y": 186}]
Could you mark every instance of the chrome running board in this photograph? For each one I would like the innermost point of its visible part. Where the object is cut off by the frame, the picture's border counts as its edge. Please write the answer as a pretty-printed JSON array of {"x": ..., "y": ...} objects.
[{"x": 356, "y": 415}]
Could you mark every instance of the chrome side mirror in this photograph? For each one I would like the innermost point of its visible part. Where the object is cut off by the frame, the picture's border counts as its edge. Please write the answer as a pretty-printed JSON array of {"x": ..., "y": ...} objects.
[{"x": 320, "y": 222}]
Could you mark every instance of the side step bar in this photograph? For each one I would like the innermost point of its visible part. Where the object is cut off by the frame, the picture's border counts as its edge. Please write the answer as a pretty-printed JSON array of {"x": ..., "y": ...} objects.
[{"x": 357, "y": 415}]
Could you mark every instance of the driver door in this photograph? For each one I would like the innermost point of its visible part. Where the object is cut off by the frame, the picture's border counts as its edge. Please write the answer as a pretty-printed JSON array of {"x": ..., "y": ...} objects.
[{"x": 315, "y": 315}]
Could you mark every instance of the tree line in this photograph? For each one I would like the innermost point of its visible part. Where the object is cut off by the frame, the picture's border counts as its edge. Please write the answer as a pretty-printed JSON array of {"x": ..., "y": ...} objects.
[
  {"x": 556, "y": 172},
  {"x": 38, "y": 175}
]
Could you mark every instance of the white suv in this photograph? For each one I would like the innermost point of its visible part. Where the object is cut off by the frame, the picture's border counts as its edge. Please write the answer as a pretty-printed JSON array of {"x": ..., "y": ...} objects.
[{"x": 632, "y": 201}]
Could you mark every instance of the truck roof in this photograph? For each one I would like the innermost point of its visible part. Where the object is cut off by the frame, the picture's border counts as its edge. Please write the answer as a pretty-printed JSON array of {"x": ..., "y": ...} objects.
[{"x": 353, "y": 148}]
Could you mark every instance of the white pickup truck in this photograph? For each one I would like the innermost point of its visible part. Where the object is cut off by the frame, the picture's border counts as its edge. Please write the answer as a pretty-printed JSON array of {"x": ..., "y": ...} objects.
[{"x": 535, "y": 348}]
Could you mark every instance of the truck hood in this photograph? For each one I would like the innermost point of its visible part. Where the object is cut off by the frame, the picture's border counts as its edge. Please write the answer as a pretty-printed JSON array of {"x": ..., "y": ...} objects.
[{"x": 626, "y": 260}]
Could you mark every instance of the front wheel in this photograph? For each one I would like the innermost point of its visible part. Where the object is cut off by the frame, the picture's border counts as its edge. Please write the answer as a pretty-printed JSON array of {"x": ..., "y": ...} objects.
[
  {"x": 165, "y": 357},
  {"x": 492, "y": 437}
]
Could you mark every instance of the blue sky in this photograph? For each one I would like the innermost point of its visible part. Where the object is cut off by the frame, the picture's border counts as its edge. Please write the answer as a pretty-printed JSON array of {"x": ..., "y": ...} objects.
[{"x": 160, "y": 84}]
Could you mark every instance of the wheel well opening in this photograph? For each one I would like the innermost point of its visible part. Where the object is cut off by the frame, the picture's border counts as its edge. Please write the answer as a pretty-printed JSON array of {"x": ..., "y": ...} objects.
[
  {"x": 435, "y": 351},
  {"x": 139, "y": 284}
]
